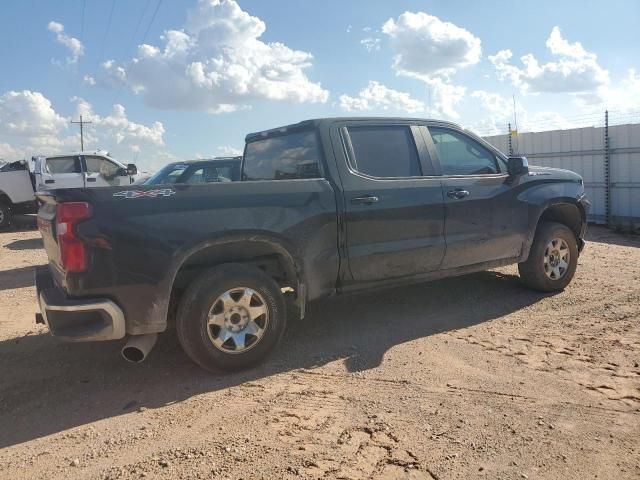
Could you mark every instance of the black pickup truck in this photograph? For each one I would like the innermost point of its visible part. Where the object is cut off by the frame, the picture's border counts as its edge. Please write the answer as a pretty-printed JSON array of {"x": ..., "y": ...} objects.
[{"x": 323, "y": 207}]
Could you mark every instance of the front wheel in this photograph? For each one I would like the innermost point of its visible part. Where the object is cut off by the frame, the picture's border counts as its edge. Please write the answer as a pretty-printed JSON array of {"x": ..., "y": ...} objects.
[
  {"x": 231, "y": 317},
  {"x": 553, "y": 258}
]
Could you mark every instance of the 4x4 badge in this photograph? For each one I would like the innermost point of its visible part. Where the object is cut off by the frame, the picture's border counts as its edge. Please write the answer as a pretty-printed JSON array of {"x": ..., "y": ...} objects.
[{"x": 165, "y": 192}]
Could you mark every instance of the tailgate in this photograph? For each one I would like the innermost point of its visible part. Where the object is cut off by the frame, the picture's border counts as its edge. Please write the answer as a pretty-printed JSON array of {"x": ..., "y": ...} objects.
[{"x": 47, "y": 225}]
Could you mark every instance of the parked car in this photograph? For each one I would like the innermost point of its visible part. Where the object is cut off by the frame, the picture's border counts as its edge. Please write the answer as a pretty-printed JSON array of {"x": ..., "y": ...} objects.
[
  {"x": 324, "y": 207},
  {"x": 79, "y": 170},
  {"x": 220, "y": 169}
]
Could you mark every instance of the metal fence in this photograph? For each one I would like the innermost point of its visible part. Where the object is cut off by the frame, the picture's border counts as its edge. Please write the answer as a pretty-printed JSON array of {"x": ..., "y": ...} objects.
[{"x": 607, "y": 157}]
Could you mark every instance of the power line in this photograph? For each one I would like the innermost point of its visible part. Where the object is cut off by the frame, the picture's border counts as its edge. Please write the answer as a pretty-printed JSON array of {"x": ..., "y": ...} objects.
[
  {"x": 153, "y": 17},
  {"x": 135, "y": 31},
  {"x": 106, "y": 32},
  {"x": 144, "y": 37},
  {"x": 84, "y": 6}
]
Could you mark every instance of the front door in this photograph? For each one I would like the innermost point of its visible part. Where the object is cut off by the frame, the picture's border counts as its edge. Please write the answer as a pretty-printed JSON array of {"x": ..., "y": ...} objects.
[
  {"x": 484, "y": 220},
  {"x": 61, "y": 172},
  {"x": 102, "y": 172},
  {"x": 394, "y": 208}
]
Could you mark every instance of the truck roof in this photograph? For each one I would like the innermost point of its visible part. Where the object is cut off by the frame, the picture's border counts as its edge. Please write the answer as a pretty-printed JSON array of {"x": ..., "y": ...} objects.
[{"x": 316, "y": 122}]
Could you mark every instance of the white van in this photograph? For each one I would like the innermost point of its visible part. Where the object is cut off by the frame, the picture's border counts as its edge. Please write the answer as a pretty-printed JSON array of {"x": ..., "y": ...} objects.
[{"x": 76, "y": 170}]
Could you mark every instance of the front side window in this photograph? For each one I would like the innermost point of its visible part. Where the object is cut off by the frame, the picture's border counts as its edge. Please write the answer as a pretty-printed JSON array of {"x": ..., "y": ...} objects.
[
  {"x": 461, "y": 155},
  {"x": 59, "y": 165},
  {"x": 102, "y": 166},
  {"x": 384, "y": 151},
  {"x": 285, "y": 157}
]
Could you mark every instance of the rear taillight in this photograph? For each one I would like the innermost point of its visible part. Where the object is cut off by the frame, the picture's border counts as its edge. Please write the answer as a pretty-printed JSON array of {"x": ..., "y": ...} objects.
[{"x": 73, "y": 253}]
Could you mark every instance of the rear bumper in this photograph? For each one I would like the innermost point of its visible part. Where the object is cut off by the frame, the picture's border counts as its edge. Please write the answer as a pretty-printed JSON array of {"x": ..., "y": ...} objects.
[{"x": 77, "y": 320}]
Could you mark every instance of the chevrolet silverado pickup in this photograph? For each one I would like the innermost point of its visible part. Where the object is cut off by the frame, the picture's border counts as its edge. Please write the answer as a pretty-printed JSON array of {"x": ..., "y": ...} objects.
[{"x": 323, "y": 207}]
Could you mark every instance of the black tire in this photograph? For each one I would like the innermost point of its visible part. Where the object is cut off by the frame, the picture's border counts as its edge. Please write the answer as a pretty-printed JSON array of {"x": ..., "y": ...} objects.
[
  {"x": 197, "y": 301},
  {"x": 532, "y": 271},
  {"x": 5, "y": 215}
]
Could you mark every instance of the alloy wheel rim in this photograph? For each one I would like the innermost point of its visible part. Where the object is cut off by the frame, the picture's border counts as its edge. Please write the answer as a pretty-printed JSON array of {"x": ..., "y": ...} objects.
[
  {"x": 237, "y": 320},
  {"x": 556, "y": 259}
]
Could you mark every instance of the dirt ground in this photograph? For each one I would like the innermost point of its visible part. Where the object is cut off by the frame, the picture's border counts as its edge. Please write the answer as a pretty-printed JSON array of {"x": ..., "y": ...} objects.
[{"x": 473, "y": 377}]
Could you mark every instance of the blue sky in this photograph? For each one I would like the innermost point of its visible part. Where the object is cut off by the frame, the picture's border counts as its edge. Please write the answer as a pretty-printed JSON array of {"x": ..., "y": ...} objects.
[{"x": 232, "y": 68}]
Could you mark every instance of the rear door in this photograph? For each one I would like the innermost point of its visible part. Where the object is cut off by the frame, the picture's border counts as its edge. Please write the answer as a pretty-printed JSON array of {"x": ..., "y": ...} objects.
[
  {"x": 484, "y": 220},
  {"x": 394, "y": 207},
  {"x": 61, "y": 172}
]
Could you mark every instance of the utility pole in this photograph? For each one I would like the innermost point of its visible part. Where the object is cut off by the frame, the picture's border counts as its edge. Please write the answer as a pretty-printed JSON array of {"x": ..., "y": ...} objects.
[{"x": 81, "y": 123}]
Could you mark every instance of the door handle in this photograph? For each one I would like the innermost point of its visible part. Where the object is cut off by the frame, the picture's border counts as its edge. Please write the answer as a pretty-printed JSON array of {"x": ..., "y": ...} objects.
[
  {"x": 49, "y": 181},
  {"x": 91, "y": 179},
  {"x": 366, "y": 200},
  {"x": 457, "y": 194}
]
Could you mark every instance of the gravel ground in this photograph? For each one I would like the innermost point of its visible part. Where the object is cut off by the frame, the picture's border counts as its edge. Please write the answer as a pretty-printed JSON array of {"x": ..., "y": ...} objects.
[{"x": 473, "y": 377}]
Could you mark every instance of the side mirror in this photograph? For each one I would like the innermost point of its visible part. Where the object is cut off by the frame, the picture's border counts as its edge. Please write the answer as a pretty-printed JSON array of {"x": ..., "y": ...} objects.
[
  {"x": 132, "y": 169},
  {"x": 517, "y": 166},
  {"x": 122, "y": 172}
]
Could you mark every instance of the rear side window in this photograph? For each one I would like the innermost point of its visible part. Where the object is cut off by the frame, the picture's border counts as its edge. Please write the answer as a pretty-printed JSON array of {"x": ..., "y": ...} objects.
[
  {"x": 210, "y": 174},
  {"x": 62, "y": 165},
  {"x": 384, "y": 151},
  {"x": 290, "y": 156}
]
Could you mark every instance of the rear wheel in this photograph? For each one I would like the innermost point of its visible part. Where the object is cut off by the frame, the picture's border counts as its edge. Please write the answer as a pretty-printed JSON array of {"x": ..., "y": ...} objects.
[
  {"x": 5, "y": 215},
  {"x": 553, "y": 258},
  {"x": 231, "y": 317}
]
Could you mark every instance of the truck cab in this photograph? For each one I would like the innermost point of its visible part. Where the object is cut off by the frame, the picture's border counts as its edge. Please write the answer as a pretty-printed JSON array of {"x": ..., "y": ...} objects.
[{"x": 82, "y": 170}]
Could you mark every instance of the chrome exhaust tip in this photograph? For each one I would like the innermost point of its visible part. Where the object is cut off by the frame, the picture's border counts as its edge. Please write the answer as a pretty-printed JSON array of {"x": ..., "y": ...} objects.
[{"x": 138, "y": 347}]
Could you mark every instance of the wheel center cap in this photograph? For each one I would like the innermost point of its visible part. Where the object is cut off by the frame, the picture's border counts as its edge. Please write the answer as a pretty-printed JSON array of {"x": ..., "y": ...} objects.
[{"x": 237, "y": 319}]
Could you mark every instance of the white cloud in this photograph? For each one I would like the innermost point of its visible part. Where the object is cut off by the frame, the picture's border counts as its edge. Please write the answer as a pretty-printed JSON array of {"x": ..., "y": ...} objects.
[
  {"x": 426, "y": 46},
  {"x": 431, "y": 50},
  {"x": 495, "y": 112},
  {"x": 573, "y": 70},
  {"x": 379, "y": 97},
  {"x": 75, "y": 47},
  {"x": 371, "y": 44},
  {"x": 229, "y": 151},
  {"x": 625, "y": 96},
  {"x": 29, "y": 125},
  {"x": 216, "y": 63}
]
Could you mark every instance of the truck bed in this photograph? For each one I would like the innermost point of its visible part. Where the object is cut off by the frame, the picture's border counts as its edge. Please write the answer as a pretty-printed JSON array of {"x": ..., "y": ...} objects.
[{"x": 162, "y": 225}]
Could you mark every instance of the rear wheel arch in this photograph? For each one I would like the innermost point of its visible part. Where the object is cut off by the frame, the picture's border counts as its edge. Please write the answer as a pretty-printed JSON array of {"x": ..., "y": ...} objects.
[
  {"x": 5, "y": 199},
  {"x": 265, "y": 254}
]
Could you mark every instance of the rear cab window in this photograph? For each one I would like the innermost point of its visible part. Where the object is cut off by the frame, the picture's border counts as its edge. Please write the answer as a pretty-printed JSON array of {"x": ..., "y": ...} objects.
[{"x": 289, "y": 156}]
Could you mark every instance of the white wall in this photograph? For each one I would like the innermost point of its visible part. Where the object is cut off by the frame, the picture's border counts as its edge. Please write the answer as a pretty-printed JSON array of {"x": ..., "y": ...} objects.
[{"x": 582, "y": 151}]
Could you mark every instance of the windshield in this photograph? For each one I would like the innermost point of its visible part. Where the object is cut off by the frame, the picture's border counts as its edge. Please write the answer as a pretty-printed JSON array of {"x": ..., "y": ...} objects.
[{"x": 169, "y": 174}]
